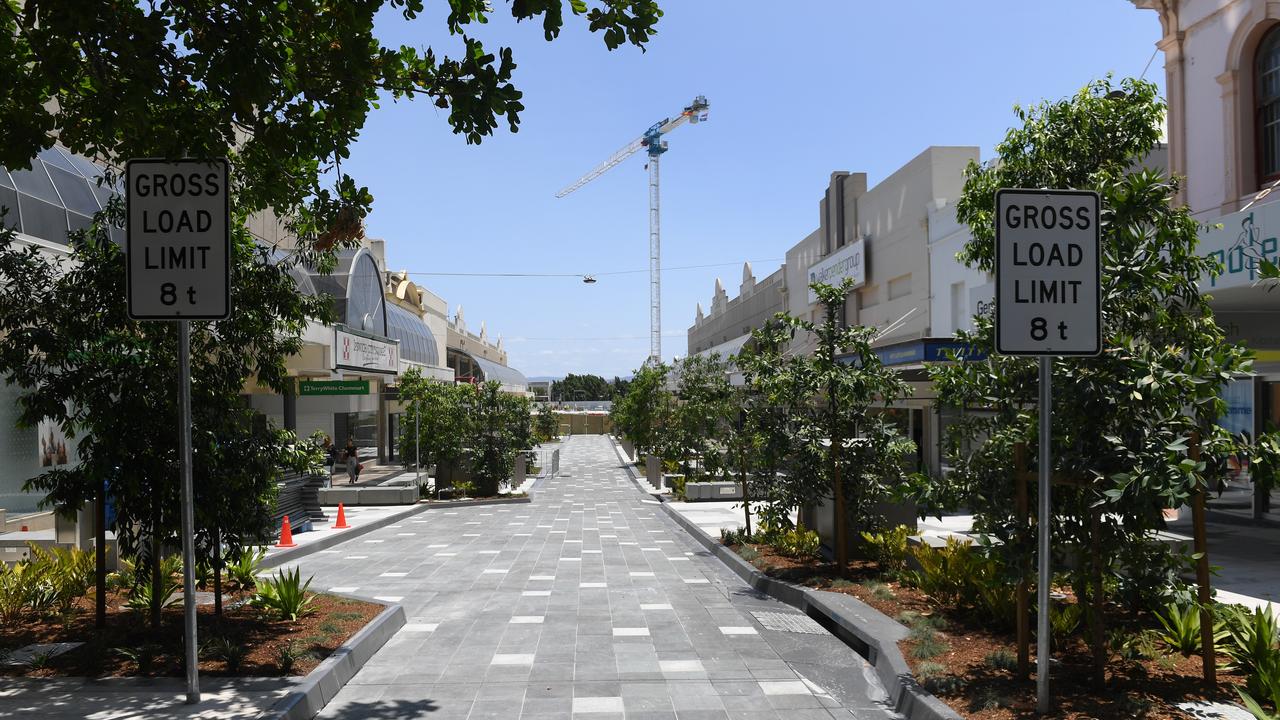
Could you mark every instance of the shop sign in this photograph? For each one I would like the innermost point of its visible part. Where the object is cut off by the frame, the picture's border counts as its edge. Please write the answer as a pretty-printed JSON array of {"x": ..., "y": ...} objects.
[
  {"x": 1239, "y": 241},
  {"x": 333, "y": 387},
  {"x": 365, "y": 354},
  {"x": 847, "y": 262}
]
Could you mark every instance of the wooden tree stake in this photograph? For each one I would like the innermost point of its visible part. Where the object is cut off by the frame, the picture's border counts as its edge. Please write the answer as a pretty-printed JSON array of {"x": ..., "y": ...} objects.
[
  {"x": 1023, "y": 590},
  {"x": 1202, "y": 574}
]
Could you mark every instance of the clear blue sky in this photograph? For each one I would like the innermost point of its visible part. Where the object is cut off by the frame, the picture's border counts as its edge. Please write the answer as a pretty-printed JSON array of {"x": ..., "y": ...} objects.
[{"x": 797, "y": 90}]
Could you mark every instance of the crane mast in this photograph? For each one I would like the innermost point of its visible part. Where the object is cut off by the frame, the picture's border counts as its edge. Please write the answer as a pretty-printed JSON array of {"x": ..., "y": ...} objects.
[{"x": 653, "y": 141}]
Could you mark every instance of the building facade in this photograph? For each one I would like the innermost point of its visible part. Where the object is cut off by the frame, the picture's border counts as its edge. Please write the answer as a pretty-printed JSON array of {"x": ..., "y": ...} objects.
[{"x": 1222, "y": 75}]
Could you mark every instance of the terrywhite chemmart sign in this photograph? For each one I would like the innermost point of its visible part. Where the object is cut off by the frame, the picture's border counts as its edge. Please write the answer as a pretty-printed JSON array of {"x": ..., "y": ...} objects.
[
  {"x": 1244, "y": 238},
  {"x": 364, "y": 354},
  {"x": 847, "y": 262}
]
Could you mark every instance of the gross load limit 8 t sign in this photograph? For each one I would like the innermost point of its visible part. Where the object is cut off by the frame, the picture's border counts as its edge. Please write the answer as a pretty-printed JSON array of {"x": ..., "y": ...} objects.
[
  {"x": 1048, "y": 272},
  {"x": 179, "y": 239}
]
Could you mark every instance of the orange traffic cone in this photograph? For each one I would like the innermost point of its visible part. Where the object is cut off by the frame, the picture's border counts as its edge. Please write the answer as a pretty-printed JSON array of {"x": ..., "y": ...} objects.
[
  {"x": 286, "y": 535},
  {"x": 341, "y": 524}
]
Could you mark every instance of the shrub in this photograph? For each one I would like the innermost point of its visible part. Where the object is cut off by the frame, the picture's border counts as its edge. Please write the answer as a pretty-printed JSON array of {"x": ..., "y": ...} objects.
[
  {"x": 144, "y": 656},
  {"x": 170, "y": 585},
  {"x": 878, "y": 590},
  {"x": 748, "y": 553},
  {"x": 927, "y": 643},
  {"x": 1181, "y": 628},
  {"x": 285, "y": 594},
  {"x": 734, "y": 536},
  {"x": 242, "y": 570},
  {"x": 1263, "y": 687},
  {"x": 930, "y": 669},
  {"x": 798, "y": 543},
  {"x": 677, "y": 483},
  {"x": 226, "y": 649},
  {"x": 1002, "y": 660},
  {"x": 945, "y": 572},
  {"x": 288, "y": 655},
  {"x": 1064, "y": 620},
  {"x": 1254, "y": 641},
  {"x": 67, "y": 572},
  {"x": 889, "y": 549},
  {"x": 1136, "y": 646}
]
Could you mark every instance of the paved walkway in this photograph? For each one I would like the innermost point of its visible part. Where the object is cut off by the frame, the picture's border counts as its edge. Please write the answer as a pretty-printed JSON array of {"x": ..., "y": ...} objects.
[{"x": 588, "y": 602}]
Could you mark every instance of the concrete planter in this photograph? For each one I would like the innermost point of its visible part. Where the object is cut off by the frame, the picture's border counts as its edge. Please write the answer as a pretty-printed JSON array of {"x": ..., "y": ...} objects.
[
  {"x": 378, "y": 495},
  {"x": 653, "y": 471},
  {"x": 628, "y": 449}
]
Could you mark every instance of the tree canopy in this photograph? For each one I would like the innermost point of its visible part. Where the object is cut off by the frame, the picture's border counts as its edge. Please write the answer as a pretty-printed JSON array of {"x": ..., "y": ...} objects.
[{"x": 285, "y": 87}]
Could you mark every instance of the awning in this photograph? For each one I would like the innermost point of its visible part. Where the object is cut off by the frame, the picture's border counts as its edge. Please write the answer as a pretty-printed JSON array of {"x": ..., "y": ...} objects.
[
  {"x": 728, "y": 349},
  {"x": 500, "y": 373},
  {"x": 417, "y": 343}
]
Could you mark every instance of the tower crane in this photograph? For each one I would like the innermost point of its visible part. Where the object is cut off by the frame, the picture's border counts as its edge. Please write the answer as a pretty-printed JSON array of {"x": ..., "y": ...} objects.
[{"x": 653, "y": 141}]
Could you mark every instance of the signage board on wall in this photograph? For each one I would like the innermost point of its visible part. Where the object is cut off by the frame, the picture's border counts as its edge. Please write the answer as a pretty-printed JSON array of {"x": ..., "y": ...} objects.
[
  {"x": 1243, "y": 239},
  {"x": 1238, "y": 394},
  {"x": 847, "y": 262},
  {"x": 362, "y": 353},
  {"x": 333, "y": 387}
]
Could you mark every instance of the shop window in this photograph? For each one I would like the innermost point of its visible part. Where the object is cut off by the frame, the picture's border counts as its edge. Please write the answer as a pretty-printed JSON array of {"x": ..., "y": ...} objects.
[{"x": 1267, "y": 105}]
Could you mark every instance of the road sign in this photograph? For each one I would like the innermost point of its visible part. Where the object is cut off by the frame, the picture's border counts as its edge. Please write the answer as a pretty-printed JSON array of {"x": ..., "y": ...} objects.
[
  {"x": 1048, "y": 274},
  {"x": 179, "y": 239}
]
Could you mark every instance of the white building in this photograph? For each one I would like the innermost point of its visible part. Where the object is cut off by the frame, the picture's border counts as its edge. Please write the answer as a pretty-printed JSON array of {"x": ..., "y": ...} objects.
[{"x": 1222, "y": 74}]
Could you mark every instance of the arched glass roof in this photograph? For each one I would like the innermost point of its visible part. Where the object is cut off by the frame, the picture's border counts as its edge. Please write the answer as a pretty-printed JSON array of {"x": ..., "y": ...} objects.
[
  {"x": 356, "y": 285},
  {"x": 417, "y": 343},
  {"x": 501, "y": 373},
  {"x": 59, "y": 194}
]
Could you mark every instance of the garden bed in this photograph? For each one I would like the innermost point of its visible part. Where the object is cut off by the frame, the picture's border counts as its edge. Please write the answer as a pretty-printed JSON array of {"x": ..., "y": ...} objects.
[
  {"x": 971, "y": 666},
  {"x": 128, "y": 646}
]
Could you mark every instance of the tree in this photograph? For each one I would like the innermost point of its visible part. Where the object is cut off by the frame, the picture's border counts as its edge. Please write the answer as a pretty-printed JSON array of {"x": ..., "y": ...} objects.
[
  {"x": 581, "y": 387},
  {"x": 641, "y": 413},
  {"x": 110, "y": 383},
  {"x": 433, "y": 426},
  {"x": 843, "y": 447},
  {"x": 702, "y": 416},
  {"x": 546, "y": 424},
  {"x": 1123, "y": 421},
  {"x": 284, "y": 87},
  {"x": 500, "y": 428}
]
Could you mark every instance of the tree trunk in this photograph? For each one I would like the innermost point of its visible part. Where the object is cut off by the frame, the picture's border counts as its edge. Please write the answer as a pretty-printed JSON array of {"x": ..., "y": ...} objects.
[
  {"x": 837, "y": 488},
  {"x": 1097, "y": 619},
  {"x": 155, "y": 564},
  {"x": 216, "y": 542},
  {"x": 746, "y": 491}
]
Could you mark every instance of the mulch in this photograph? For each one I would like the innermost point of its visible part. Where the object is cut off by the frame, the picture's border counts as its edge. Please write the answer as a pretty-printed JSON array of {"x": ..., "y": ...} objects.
[
  {"x": 977, "y": 688},
  {"x": 261, "y": 635}
]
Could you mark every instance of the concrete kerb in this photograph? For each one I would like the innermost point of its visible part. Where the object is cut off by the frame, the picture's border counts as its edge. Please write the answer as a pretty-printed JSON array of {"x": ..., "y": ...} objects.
[
  {"x": 321, "y": 685},
  {"x": 291, "y": 554},
  {"x": 869, "y": 632}
]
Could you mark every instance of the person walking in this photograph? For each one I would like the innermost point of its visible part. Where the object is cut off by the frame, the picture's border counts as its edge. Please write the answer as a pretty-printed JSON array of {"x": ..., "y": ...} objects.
[
  {"x": 330, "y": 456},
  {"x": 352, "y": 455}
]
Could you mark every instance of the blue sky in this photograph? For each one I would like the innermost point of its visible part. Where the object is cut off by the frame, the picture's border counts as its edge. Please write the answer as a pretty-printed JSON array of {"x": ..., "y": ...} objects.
[{"x": 797, "y": 90}]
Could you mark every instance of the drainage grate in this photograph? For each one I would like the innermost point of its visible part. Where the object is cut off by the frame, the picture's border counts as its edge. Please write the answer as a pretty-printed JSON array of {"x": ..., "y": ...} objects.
[{"x": 789, "y": 622}]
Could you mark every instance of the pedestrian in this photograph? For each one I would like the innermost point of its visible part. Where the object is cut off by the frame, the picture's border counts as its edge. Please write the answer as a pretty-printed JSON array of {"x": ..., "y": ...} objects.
[
  {"x": 330, "y": 455},
  {"x": 352, "y": 455}
]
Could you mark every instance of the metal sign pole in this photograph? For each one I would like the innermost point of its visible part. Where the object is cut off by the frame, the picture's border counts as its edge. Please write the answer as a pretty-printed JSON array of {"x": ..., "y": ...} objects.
[
  {"x": 1045, "y": 519},
  {"x": 188, "y": 519}
]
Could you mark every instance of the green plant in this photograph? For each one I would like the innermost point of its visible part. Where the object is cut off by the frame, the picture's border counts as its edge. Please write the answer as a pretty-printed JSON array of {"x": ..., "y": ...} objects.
[
  {"x": 1263, "y": 687},
  {"x": 67, "y": 572},
  {"x": 677, "y": 484},
  {"x": 843, "y": 584},
  {"x": 878, "y": 590},
  {"x": 465, "y": 488},
  {"x": 748, "y": 553},
  {"x": 1064, "y": 620},
  {"x": 944, "y": 684},
  {"x": 170, "y": 586},
  {"x": 1254, "y": 641},
  {"x": 928, "y": 644},
  {"x": 930, "y": 669},
  {"x": 285, "y": 594},
  {"x": 227, "y": 649},
  {"x": 330, "y": 627},
  {"x": 889, "y": 549},
  {"x": 144, "y": 655},
  {"x": 288, "y": 655},
  {"x": 242, "y": 569},
  {"x": 40, "y": 660},
  {"x": 344, "y": 616},
  {"x": 1181, "y": 628},
  {"x": 798, "y": 543},
  {"x": 990, "y": 699},
  {"x": 1142, "y": 645},
  {"x": 945, "y": 572},
  {"x": 1001, "y": 660},
  {"x": 734, "y": 536}
]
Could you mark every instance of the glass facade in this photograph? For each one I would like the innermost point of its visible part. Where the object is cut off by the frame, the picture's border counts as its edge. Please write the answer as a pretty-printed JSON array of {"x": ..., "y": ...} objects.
[{"x": 59, "y": 194}]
